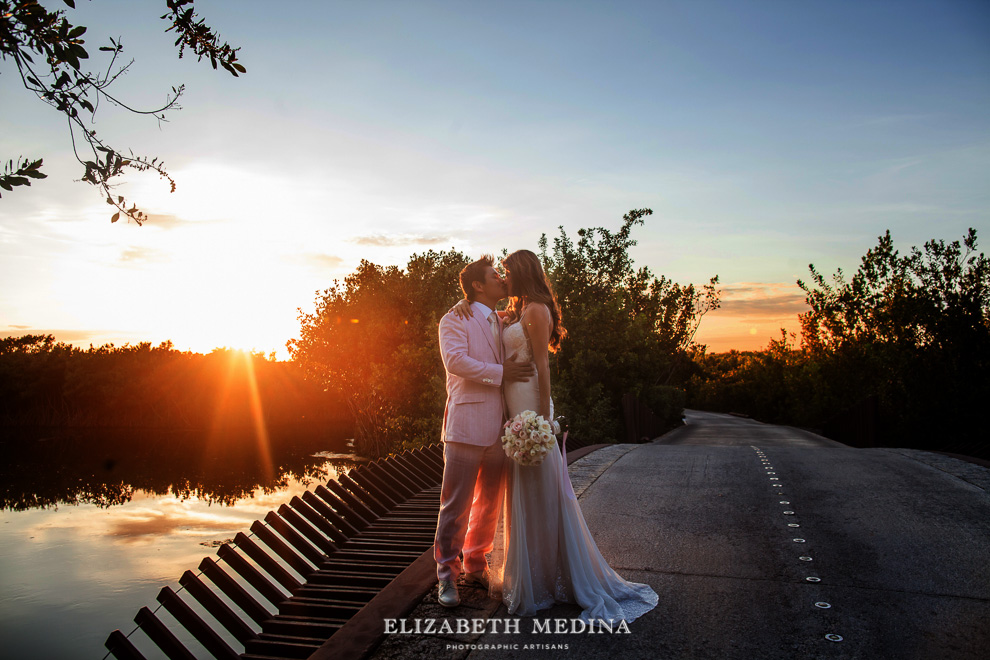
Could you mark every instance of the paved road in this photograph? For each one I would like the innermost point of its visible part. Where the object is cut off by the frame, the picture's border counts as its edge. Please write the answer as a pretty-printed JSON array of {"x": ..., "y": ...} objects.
[
  {"x": 726, "y": 518},
  {"x": 717, "y": 429}
]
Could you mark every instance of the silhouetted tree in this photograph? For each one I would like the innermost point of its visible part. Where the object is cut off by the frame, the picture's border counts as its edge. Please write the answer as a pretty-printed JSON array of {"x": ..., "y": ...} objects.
[
  {"x": 373, "y": 340},
  {"x": 628, "y": 330},
  {"x": 49, "y": 51},
  {"x": 897, "y": 355},
  {"x": 911, "y": 330}
]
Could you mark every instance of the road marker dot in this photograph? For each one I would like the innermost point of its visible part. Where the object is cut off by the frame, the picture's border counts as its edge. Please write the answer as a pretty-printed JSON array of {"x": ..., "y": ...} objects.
[
  {"x": 823, "y": 606},
  {"x": 832, "y": 637},
  {"x": 799, "y": 541}
]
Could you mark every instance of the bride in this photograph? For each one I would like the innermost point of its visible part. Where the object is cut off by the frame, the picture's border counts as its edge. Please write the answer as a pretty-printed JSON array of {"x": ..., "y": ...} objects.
[{"x": 544, "y": 553}]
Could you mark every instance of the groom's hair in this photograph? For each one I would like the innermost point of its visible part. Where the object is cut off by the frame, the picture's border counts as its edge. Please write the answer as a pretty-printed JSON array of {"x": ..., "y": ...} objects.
[{"x": 475, "y": 272}]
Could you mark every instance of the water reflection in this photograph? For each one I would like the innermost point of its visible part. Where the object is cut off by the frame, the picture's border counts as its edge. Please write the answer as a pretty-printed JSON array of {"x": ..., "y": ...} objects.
[
  {"x": 47, "y": 469},
  {"x": 94, "y": 525}
]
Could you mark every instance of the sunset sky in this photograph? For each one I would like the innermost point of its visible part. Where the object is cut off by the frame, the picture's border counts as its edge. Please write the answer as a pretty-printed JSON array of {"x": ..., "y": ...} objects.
[{"x": 765, "y": 135}]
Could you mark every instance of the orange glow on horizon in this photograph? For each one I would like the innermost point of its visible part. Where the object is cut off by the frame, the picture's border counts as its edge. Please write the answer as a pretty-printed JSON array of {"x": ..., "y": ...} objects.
[
  {"x": 240, "y": 383},
  {"x": 751, "y": 315},
  {"x": 258, "y": 419},
  {"x": 724, "y": 334}
]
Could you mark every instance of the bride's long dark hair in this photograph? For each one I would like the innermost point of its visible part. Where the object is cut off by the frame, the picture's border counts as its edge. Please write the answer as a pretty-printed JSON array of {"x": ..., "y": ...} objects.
[{"x": 530, "y": 284}]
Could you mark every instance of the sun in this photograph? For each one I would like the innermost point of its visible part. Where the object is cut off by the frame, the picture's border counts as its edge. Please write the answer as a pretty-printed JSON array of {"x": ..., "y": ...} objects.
[{"x": 222, "y": 262}]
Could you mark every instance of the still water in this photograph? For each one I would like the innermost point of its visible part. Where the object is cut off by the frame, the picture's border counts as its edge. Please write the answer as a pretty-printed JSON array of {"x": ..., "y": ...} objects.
[{"x": 91, "y": 530}]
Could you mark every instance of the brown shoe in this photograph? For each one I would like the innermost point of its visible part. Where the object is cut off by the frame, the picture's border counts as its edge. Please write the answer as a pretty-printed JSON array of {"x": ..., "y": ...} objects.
[{"x": 479, "y": 578}]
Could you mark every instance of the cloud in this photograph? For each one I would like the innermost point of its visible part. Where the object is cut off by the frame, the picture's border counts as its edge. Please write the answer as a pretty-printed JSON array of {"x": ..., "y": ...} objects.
[
  {"x": 75, "y": 336},
  {"x": 169, "y": 221},
  {"x": 913, "y": 208},
  {"x": 321, "y": 261},
  {"x": 398, "y": 240},
  {"x": 775, "y": 306},
  {"x": 762, "y": 299},
  {"x": 156, "y": 523},
  {"x": 133, "y": 255},
  {"x": 891, "y": 120}
]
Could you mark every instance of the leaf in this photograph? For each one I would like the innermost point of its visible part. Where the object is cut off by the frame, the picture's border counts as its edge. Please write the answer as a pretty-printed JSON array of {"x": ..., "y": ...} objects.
[
  {"x": 238, "y": 67},
  {"x": 71, "y": 3},
  {"x": 116, "y": 217},
  {"x": 77, "y": 32}
]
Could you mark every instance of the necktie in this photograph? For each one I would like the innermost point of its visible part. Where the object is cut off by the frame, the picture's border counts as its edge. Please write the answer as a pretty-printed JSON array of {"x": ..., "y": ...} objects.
[{"x": 493, "y": 322}]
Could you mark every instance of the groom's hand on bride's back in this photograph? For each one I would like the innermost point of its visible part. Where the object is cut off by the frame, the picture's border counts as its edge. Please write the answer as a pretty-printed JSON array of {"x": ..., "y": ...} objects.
[{"x": 513, "y": 371}]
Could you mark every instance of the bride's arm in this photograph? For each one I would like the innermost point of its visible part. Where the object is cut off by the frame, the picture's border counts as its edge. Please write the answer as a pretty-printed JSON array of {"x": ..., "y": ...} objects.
[
  {"x": 462, "y": 308},
  {"x": 536, "y": 322}
]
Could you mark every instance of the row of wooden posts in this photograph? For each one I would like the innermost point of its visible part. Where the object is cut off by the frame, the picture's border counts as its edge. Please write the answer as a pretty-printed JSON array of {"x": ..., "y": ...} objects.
[{"x": 284, "y": 590}]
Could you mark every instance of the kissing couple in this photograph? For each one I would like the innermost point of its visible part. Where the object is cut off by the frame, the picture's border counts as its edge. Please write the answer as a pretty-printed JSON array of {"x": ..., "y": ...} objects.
[{"x": 497, "y": 365}]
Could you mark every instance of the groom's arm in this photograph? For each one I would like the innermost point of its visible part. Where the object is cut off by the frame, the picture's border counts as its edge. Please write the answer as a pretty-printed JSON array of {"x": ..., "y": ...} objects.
[{"x": 454, "y": 350}]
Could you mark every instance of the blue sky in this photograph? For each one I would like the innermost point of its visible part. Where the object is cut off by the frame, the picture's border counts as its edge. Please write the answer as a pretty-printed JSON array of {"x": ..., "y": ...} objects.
[{"x": 764, "y": 135}]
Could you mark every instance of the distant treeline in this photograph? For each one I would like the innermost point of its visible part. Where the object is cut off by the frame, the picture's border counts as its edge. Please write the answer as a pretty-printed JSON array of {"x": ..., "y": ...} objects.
[
  {"x": 47, "y": 383},
  {"x": 896, "y": 356},
  {"x": 107, "y": 467}
]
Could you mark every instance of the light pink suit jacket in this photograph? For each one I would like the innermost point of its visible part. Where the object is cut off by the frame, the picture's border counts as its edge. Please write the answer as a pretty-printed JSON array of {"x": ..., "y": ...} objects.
[{"x": 472, "y": 358}]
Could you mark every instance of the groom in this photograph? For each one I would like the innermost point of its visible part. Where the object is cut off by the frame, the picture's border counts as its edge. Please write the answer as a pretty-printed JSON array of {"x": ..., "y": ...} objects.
[{"x": 473, "y": 460}]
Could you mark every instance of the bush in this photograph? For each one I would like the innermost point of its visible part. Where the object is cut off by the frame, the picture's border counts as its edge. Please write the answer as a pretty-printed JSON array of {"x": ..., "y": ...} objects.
[
  {"x": 897, "y": 355},
  {"x": 666, "y": 402}
]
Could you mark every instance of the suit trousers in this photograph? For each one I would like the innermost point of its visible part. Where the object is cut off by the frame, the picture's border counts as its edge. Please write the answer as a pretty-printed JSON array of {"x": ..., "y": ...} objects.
[{"x": 470, "y": 501}]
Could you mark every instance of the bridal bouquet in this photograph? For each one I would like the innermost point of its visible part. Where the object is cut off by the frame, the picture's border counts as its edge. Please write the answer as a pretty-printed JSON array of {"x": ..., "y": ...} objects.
[{"x": 528, "y": 437}]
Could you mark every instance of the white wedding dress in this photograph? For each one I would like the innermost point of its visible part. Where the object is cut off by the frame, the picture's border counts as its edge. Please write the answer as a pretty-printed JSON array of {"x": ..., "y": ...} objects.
[{"x": 544, "y": 553}]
